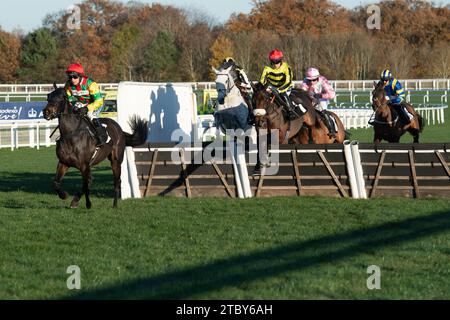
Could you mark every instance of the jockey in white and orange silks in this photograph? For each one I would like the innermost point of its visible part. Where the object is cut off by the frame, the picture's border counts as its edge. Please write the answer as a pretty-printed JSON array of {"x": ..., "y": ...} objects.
[{"x": 321, "y": 91}]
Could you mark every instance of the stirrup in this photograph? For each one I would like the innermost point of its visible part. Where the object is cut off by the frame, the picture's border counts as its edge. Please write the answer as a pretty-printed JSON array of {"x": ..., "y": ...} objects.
[
  {"x": 102, "y": 137},
  {"x": 293, "y": 115},
  {"x": 100, "y": 142}
]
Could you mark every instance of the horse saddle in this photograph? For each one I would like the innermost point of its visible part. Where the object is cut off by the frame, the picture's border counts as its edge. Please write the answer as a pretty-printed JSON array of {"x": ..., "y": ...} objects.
[{"x": 93, "y": 132}]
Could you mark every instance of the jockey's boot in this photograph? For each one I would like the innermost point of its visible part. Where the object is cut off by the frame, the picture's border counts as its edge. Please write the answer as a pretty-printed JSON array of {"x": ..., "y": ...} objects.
[
  {"x": 291, "y": 108},
  {"x": 329, "y": 123},
  {"x": 403, "y": 114},
  {"x": 100, "y": 132},
  {"x": 407, "y": 120}
]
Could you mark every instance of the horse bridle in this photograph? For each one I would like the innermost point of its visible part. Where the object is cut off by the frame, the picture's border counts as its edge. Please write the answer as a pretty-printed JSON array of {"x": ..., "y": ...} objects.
[
  {"x": 228, "y": 82},
  {"x": 58, "y": 112},
  {"x": 379, "y": 105},
  {"x": 272, "y": 106}
]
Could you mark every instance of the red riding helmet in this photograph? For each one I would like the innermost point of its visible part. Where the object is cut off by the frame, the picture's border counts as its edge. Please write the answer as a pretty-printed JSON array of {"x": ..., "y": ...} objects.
[
  {"x": 75, "y": 68},
  {"x": 275, "y": 56}
]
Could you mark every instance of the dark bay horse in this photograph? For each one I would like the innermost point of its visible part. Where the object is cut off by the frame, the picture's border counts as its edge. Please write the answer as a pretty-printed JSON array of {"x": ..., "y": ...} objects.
[
  {"x": 386, "y": 124},
  {"x": 269, "y": 114},
  {"x": 76, "y": 146}
]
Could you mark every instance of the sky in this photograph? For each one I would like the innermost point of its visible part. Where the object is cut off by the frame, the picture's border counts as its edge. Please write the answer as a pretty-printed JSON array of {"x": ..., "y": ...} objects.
[{"x": 28, "y": 14}]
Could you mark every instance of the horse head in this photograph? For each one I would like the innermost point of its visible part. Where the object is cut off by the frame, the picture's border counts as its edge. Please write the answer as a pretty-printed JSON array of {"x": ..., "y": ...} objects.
[
  {"x": 266, "y": 111},
  {"x": 380, "y": 101},
  {"x": 56, "y": 103},
  {"x": 225, "y": 83}
]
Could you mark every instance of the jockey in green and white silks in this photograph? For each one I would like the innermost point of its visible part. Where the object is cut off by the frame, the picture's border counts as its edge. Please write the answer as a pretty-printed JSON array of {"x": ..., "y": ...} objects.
[{"x": 85, "y": 98}]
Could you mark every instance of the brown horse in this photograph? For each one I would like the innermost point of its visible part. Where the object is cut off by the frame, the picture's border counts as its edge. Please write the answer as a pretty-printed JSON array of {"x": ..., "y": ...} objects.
[
  {"x": 269, "y": 114},
  {"x": 76, "y": 146},
  {"x": 308, "y": 128},
  {"x": 386, "y": 123},
  {"x": 318, "y": 134}
]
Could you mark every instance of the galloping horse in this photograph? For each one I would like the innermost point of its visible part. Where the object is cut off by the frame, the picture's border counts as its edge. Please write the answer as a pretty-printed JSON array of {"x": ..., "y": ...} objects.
[
  {"x": 386, "y": 123},
  {"x": 232, "y": 111},
  {"x": 309, "y": 127},
  {"x": 269, "y": 114},
  {"x": 76, "y": 146}
]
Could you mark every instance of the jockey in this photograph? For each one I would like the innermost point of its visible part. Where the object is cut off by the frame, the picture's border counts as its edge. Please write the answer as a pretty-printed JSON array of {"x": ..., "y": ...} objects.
[
  {"x": 279, "y": 76},
  {"x": 243, "y": 84},
  {"x": 320, "y": 91},
  {"x": 242, "y": 76},
  {"x": 396, "y": 95},
  {"x": 84, "y": 95}
]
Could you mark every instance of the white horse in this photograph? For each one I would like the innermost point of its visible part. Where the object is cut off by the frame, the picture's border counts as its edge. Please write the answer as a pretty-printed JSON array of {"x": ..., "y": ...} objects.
[{"x": 231, "y": 111}]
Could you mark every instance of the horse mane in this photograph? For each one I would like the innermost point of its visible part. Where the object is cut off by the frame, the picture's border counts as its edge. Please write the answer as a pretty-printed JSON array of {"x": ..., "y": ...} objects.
[
  {"x": 57, "y": 93},
  {"x": 379, "y": 87},
  {"x": 306, "y": 102}
]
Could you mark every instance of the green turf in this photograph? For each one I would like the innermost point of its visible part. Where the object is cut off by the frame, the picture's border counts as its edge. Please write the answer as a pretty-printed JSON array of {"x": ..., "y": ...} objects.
[{"x": 279, "y": 248}]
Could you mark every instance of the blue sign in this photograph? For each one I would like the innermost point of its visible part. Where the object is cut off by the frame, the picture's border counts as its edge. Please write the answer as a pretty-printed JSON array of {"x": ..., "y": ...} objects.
[{"x": 14, "y": 111}]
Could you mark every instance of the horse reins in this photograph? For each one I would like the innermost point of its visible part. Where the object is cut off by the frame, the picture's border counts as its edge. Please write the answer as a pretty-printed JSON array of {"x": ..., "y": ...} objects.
[
  {"x": 393, "y": 122},
  {"x": 228, "y": 82}
]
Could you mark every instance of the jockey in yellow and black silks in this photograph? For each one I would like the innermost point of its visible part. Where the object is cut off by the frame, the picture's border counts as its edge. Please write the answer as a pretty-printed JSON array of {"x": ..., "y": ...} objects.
[
  {"x": 279, "y": 76},
  {"x": 85, "y": 97}
]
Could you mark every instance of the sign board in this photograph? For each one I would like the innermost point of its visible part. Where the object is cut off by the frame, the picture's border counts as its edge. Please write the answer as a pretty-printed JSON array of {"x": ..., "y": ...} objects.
[{"x": 21, "y": 111}]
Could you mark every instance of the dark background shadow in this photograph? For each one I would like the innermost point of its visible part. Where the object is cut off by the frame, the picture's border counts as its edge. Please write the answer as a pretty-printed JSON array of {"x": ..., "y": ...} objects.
[
  {"x": 184, "y": 284},
  {"x": 165, "y": 107}
]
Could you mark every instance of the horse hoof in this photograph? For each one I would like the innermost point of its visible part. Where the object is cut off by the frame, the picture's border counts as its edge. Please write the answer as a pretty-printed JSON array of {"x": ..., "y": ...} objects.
[
  {"x": 256, "y": 172},
  {"x": 74, "y": 205},
  {"x": 88, "y": 205},
  {"x": 63, "y": 195}
]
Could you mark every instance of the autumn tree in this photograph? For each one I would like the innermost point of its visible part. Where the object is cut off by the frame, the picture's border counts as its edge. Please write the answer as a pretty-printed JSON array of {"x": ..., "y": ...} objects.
[
  {"x": 440, "y": 60},
  {"x": 38, "y": 56},
  {"x": 294, "y": 17},
  {"x": 123, "y": 52},
  {"x": 90, "y": 44},
  {"x": 10, "y": 53},
  {"x": 220, "y": 49},
  {"x": 161, "y": 58}
]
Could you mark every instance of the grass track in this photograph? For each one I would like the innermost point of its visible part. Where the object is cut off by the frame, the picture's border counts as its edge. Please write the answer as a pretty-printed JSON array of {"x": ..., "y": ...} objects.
[{"x": 278, "y": 248}]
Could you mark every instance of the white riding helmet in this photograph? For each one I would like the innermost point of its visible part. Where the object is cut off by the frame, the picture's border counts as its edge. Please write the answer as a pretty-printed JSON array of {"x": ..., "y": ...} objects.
[{"x": 312, "y": 73}]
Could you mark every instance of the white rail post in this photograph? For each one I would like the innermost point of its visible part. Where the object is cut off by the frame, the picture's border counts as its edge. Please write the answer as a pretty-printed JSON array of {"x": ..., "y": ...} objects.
[
  {"x": 31, "y": 135},
  {"x": 38, "y": 137},
  {"x": 13, "y": 139},
  {"x": 351, "y": 170},
  {"x": 358, "y": 170},
  {"x": 237, "y": 177},
  {"x": 47, "y": 135}
]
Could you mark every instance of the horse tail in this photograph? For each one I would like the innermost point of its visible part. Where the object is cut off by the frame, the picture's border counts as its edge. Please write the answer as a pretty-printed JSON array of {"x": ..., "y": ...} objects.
[
  {"x": 139, "y": 128},
  {"x": 348, "y": 135},
  {"x": 421, "y": 122}
]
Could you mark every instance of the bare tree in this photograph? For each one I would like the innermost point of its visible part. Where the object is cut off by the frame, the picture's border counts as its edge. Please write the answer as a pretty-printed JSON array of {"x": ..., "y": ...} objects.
[{"x": 440, "y": 60}]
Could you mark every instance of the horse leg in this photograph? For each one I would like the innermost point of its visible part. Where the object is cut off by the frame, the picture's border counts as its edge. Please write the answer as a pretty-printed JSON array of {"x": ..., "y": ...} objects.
[
  {"x": 87, "y": 179},
  {"x": 116, "y": 161},
  {"x": 257, "y": 169},
  {"x": 262, "y": 150},
  {"x": 415, "y": 134},
  {"x": 60, "y": 172},
  {"x": 86, "y": 174}
]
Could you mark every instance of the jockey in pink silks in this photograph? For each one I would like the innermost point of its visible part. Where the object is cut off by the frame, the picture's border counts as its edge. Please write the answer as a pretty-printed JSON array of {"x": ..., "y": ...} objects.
[{"x": 321, "y": 91}]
